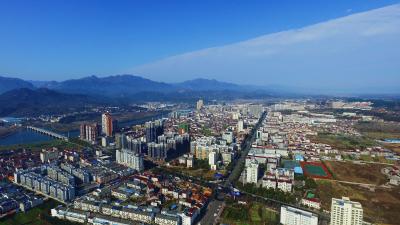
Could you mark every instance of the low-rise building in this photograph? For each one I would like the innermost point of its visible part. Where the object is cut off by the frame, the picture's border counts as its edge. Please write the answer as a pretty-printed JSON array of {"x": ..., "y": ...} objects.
[{"x": 295, "y": 216}]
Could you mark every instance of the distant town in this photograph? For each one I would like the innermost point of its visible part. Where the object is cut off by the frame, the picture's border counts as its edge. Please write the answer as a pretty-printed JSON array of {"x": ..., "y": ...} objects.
[{"x": 210, "y": 163}]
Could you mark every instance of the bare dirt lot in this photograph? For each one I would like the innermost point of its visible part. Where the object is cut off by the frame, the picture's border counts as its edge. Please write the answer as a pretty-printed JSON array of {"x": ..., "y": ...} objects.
[
  {"x": 361, "y": 173},
  {"x": 380, "y": 206},
  {"x": 393, "y": 147}
]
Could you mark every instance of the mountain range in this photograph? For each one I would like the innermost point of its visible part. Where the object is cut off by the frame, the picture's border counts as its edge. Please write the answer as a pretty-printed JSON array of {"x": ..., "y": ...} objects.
[
  {"x": 7, "y": 84},
  {"x": 22, "y": 98},
  {"x": 33, "y": 102},
  {"x": 123, "y": 85}
]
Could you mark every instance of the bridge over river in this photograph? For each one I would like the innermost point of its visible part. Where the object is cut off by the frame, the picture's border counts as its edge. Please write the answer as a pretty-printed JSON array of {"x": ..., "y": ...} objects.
[{"x": 48, "y": 133}]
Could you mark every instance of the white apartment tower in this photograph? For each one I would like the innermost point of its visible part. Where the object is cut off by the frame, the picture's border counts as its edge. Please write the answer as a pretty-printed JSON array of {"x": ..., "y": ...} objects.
[
  {"x": 130, "y": 159},
  {"x": 252, "y": 172},
  {"x": 240, "y": 126},
  {"x": 199, "y": 104},
  {"x": 212, "y": 158},
  {"x": 346, "y": 212}
]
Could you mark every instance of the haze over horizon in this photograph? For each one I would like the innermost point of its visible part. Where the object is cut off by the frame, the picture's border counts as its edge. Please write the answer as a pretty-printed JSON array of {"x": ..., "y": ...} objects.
[{"x": 351, "y": 48}]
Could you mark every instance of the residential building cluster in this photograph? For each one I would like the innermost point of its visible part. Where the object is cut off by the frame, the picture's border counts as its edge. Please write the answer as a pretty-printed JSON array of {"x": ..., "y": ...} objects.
[
  {"x": 343, "y": 212},
  {"x": 143, "y": 198},
  {"x": 264, "y": 158},
  {"x": 15, "y": 199},
  {"x": 351, "y": 105},
  {"x": 35, "y": 179},
  {"x": 393, "y": 174}
]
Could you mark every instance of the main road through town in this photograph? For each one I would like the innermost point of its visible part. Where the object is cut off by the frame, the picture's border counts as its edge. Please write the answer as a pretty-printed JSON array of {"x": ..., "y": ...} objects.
[
  {"x": 215, "y": 207},
  {"x": 245, "y": 148}
]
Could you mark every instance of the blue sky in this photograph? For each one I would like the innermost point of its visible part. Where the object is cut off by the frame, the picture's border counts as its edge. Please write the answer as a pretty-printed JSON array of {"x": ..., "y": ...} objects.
[{"x": 58, "y": 40}]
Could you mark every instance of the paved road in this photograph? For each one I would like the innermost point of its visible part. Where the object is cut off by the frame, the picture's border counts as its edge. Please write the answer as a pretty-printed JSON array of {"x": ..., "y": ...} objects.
[
  {"x": 213, "y": 211},
  {"x": 237, "y": 170},
  {"x": 360, "y": 162},
  {"x": 215, "y": 207},
  {"x": 362, "y": 184}
]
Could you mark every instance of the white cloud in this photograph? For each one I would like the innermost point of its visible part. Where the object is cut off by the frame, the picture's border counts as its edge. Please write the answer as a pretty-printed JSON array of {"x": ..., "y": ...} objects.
[{"x": 352, "y": 50}]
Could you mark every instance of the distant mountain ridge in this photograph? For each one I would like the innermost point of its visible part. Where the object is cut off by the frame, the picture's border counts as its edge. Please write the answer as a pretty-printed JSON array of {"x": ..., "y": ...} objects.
[
  {"x": 22, "y": 98},
  {"x": 201, "y": 84},
  {"x": 127, "y": 85},
  {"x": 7, "y": 84},
  {"x": 111, "y": 86},
  {"x": 31, "y": 102}
]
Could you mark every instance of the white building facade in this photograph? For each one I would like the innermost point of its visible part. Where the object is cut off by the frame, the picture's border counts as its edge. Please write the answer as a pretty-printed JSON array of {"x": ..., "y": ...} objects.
[
  {"x": 130, "y": 159},
  {"x": 252, "y": 172},
  {"x": 294, "y": 216},
  {"x": 346, "y": 212}
]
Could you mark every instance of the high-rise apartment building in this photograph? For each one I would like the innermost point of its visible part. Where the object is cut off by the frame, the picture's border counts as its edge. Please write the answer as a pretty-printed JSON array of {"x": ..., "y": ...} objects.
[
  {"x": 212, "y": 158},
  {"x": 107, "y": 124},
  {"x": 228, "y": 137},
  {"x": 199, "y": 104},
  {"x": 129, "y": 159},
  {"x": 252, "y": 172},
  {"x": 240, "y": 126},
  {"x": 153, "y": 130},
  {"x": 346, "y": 212},
  {"x": 89, "y": 132},
  {"x": 134, "y": 144},
  {"x": 157, "y": 151},
  {"x": 255, "y": 110}
]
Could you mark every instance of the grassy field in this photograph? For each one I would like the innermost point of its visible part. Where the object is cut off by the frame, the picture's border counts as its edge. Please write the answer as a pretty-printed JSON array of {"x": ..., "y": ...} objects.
[
  {"x": 344, "y": 142},
  {"x": 39, "y": 215},
  {"x": 381, "y": 135},
  {"x": 381, "y": 206},
  {"x": 380, "y": 159},
  {"x": 379, "y": 130},
  {"x": 253, "y": 214},
  {"x": 360, "y": 173}
]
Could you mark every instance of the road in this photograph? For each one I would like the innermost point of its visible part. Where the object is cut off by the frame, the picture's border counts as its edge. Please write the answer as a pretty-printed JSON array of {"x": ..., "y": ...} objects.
[
  {"x": 215, "y": 207},
  {"x": 361, "y": 184},
  {"x": 360, "y": 162},
  {"x": 237, "y": 170},
  {"x": 213, "y": 211}
]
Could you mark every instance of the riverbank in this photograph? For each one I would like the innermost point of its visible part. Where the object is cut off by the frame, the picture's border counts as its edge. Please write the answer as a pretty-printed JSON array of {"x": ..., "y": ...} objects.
[
  {"x": 124, "y": 120},
  {"x": 8, "y": 131},
  {"x": 19, "y": 137},
  {"x": 43, "y": 145}
]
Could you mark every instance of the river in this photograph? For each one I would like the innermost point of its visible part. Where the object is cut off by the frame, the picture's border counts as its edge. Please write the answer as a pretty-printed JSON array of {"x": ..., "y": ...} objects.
[{"x": 24, "y": 136}]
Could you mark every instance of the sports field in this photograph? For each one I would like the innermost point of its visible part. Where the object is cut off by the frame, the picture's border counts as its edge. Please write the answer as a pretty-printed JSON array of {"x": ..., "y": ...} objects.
[{"x": 315, "y": 170}]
